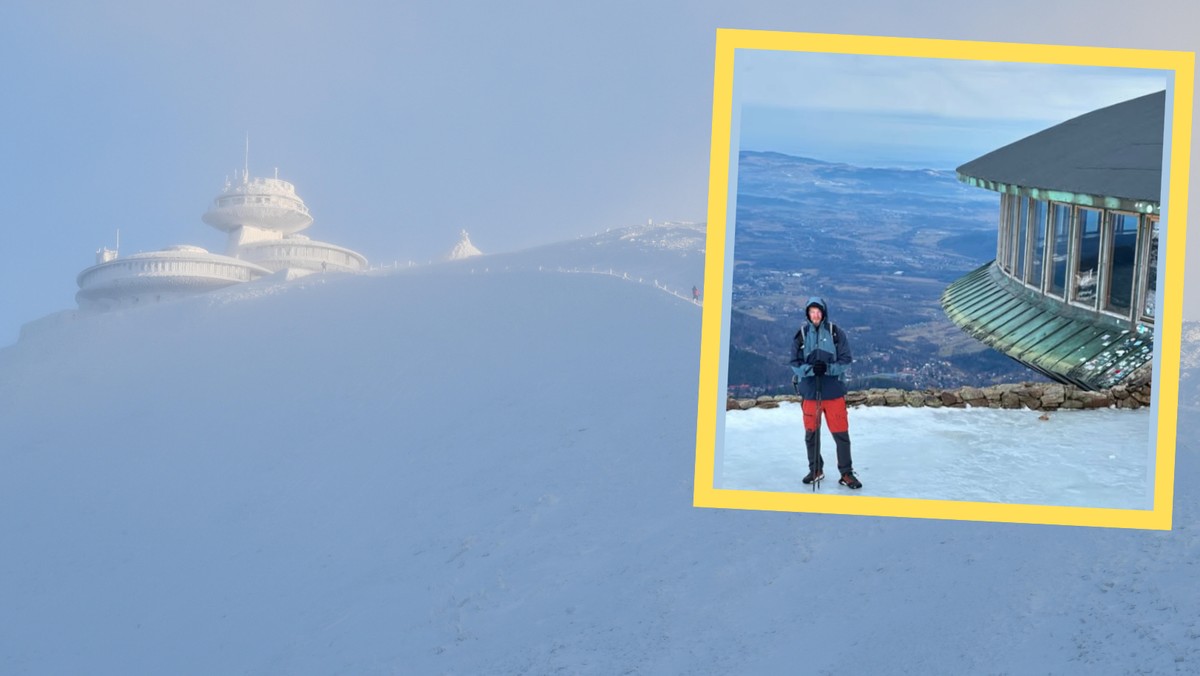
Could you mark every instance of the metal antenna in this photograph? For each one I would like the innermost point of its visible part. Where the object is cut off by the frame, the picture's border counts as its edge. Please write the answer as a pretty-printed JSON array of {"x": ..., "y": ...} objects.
[
  {"x": 118, "y": 240},
  {"x": 246, "y": 166}
]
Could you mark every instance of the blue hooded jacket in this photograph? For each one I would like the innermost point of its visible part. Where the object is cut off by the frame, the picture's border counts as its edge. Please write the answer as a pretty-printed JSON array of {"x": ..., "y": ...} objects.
[{"x": 820, "y": 342}]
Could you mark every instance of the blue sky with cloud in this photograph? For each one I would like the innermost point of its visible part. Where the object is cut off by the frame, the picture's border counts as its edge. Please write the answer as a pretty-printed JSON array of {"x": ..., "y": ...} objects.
[{"x": 913, "y": 112}]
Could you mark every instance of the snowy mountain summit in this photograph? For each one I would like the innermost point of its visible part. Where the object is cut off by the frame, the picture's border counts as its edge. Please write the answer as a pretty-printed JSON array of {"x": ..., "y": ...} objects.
[
  {"x": 668, "y": 255},
  {"x": 333, "y": 475},
  {"x": 464, "y": 248}
]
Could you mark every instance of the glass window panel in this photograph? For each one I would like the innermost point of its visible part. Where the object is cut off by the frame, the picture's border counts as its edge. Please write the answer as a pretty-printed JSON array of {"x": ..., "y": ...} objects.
[
  {"x": 1010, "y": 255},
  {"x": 1006, "y": 232},
  {"x": 1062, "y": 245},
  {"x": 1022, "y": 233},
  {"x": 1151, "y": 272},
  {"x": 1122, "y": 258},
  {"x": 1000, "y": 230},
  {"x": 1086, "y": 273},
  {"x": 1038, "y": 223}
]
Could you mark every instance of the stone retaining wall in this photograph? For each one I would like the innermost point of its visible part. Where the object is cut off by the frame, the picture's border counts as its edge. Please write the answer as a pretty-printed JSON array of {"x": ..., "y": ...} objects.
[{"x": 1035, "y": 396}]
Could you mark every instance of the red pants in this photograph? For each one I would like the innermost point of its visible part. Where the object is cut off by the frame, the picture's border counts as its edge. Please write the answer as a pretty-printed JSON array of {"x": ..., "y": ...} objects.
[{"x": 835, "y": 414}]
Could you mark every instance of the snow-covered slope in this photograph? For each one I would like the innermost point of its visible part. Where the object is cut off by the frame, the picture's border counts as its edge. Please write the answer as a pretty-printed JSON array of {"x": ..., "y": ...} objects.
[
  {"x": 980, "y": 454},
  {"x": 669, "y": 255},
  {"x": 443, "y": 472}
]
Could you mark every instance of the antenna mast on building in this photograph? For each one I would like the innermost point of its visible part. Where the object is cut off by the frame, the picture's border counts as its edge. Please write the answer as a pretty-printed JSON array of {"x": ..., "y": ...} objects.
[{"x": 246, "y": 166}]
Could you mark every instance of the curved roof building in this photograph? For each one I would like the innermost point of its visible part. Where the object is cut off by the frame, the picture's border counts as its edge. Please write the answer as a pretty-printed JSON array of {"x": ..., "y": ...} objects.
[
  {"x": 1071, "y": 292},
  {"x": 299, "y": 253},
  {"x": 159, "y": 275},
  {"x": 262, "y": 217},
  {"x": 269, "y": 205}
]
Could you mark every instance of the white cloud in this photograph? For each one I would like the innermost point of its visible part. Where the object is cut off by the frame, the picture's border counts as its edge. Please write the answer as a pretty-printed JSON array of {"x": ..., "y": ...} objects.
[{"x": 943, "y": 87}]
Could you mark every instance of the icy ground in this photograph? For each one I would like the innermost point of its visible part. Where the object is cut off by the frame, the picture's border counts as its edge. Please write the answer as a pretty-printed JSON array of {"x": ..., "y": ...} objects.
[
  {"x": 435, "y": 473},
  {"x": 1098, "y": 458}
]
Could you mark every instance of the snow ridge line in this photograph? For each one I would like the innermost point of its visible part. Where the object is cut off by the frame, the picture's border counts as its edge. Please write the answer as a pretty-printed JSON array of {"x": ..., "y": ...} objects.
[{"x": 609, "y": 272}]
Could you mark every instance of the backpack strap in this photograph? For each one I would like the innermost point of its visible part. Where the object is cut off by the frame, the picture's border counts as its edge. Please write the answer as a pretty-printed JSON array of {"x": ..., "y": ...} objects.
[{"x": 803, "y": 335}]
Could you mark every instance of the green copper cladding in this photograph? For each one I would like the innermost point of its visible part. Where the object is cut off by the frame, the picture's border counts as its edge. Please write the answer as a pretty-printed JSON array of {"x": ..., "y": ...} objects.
[
  {"x": 1064, "y": 343},
  {"x": 1082, "y": 199}
]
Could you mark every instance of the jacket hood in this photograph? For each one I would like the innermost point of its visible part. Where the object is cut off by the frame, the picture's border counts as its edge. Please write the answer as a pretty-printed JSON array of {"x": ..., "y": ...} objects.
[{"x": 819, "y": 302}]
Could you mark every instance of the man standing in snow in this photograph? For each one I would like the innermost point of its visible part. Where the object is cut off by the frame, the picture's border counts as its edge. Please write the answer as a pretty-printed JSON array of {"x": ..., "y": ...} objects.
[{"x": 820, "y": 355}]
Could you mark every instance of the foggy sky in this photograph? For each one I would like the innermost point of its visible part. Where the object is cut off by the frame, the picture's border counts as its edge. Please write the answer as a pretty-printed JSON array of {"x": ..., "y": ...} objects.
[{"x": 402, "y": 123}]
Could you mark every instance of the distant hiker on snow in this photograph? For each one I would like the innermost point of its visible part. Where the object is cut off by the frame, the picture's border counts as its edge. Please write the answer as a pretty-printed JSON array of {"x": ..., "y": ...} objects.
[
  {"x": 695, "y": 294},
  {"x": 820, "y": 355}
]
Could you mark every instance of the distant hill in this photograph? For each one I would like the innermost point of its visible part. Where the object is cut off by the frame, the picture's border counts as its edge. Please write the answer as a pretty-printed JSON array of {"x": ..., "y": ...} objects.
[{"x": 879, "y": 245}]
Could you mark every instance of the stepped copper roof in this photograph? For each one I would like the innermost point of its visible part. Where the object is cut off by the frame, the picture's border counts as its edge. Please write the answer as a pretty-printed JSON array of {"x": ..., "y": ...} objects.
[{"x": 1044, "y": 334}]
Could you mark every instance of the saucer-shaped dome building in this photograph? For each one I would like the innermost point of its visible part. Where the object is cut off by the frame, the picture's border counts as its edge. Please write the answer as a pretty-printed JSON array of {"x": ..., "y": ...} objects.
[
  {"x": 262, "y": 217},
  {"x": 300, "y": 253},
  {"x": 269, "y": 205},
  {"x": 1071, "y": 292},
  {"x": 159, "y": 275}
]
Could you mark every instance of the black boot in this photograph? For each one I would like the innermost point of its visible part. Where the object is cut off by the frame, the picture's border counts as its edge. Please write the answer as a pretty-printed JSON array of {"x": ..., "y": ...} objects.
[
  {"x": 816, "y": 465},
  {"x": 845, "y": 462}
]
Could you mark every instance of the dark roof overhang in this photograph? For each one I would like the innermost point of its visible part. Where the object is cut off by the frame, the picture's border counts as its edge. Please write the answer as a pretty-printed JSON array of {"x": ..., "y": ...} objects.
[{"x": 1109, "y": 158}]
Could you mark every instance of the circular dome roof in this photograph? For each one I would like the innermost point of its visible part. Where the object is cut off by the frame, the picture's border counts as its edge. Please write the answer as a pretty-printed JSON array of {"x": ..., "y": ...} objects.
[
  {"x": 179, "y": 251},
  {"x": 186, "y": 247}
]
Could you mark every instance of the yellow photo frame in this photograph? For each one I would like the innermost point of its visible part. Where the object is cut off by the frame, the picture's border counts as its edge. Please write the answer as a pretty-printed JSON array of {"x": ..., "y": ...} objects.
[{"x": 716, "y": 312}]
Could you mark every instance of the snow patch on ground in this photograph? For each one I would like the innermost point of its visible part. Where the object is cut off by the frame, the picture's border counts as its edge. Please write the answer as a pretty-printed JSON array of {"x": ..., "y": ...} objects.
[
  {"x": 430, "y": 472},
  {"x": 1096, "y": 458}
]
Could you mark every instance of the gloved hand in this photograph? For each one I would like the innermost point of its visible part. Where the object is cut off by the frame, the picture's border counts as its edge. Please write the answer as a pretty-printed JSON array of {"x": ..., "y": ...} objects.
[{"x": 819, "y": 368}]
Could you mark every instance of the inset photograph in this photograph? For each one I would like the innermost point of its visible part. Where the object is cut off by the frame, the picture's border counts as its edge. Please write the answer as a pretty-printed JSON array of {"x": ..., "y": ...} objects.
[{"x": 942, "y": 288}]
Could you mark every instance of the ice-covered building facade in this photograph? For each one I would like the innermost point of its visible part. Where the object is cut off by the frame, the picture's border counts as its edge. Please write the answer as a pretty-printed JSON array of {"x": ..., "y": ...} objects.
[
  {"x": 262, "y": 217},
  {"x": 1071, "y": 292}
]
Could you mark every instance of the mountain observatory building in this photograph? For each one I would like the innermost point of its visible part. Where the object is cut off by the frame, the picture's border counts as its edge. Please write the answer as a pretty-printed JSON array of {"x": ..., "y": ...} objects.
[
  {"x": 263, "y": 218},
  {"x": 1071, "y": 293}
]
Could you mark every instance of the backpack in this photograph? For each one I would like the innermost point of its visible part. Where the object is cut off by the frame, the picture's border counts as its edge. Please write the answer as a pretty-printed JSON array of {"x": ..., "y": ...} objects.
[{"x": 803, "y": 335}]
